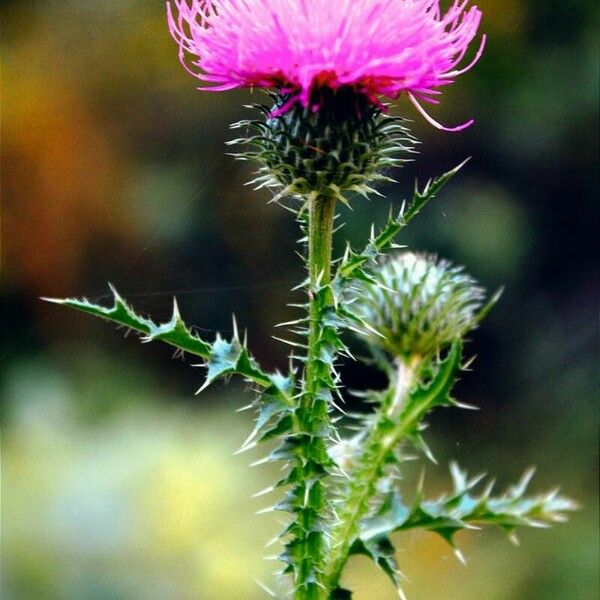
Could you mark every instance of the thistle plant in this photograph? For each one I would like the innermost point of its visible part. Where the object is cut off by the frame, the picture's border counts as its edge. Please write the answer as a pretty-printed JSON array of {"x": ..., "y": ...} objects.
[{"x": 322, "y": 139}]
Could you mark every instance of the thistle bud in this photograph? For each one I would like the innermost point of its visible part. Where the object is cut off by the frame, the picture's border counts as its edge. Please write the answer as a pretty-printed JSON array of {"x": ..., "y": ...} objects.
[
  {"x": 417, "y": 304},
  {"x": 340, "y": 143}
]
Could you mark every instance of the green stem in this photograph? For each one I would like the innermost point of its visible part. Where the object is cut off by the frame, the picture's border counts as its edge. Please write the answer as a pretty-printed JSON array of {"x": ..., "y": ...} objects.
[
  {"x": 312, "y": 415},
  {"x": 320, "y": 234},
  {"x": 385, "y": 436}
]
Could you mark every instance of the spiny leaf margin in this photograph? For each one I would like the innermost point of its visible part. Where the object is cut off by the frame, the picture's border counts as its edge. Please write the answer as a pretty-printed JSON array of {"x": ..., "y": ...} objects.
[{"x": 222, "y": 357}]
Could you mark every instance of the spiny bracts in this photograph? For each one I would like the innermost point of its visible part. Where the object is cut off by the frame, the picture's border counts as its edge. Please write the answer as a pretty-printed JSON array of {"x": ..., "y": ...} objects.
[
  {"x": 345, "y": 146},
  {"x": 417, "y": 304}
]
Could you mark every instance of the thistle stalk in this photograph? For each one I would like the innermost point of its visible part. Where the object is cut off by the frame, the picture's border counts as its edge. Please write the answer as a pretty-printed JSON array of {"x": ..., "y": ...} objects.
[
  {"x": 385, "y": 436},
  {"x": 320, "y": 235},
  {"x": 313, "y": 423}
]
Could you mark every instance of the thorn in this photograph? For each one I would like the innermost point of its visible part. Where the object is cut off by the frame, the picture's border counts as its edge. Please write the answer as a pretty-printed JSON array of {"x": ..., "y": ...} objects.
[
  {"x": 337, "y": 407},
  {"x": 265, "y": 511},
  {"x": 264, "y": 492},
  {"x": 176, "y": 314},
  {"x": 246, "y": 447},
  {"x": 179, "y": 354},
  {"x": 520, "y": 488},
  {"x": 205, "y": 385},
  {"x": 460, "y": 556},
  {"x": 116, "y": 294},
  {"x": 260, "y": 461},
  {"x": 346, "y": 253},
  {"x": 293, "y": 344},
  {"x": 53, "y": 300},
  {"x": 475, "y": 480},
  {"x": 465, "y": 406},
  {"x": 461, "y": 165},
  {"x": 265, "y": 588},
  {"x": 514, "y": 539},
  {"x": 466, "y": 366},
  {"x": 487, "y": 492},
  {"x": 291, "y": 323},
  {"x": 538, "y": 524},
  {"x": 246, "y": 443}
]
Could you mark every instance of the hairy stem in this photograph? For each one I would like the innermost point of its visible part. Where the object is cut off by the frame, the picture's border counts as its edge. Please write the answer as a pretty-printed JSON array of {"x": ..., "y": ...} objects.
[
  {"x": 312, "y": 415},
  {"x": 387, "y": 432}
]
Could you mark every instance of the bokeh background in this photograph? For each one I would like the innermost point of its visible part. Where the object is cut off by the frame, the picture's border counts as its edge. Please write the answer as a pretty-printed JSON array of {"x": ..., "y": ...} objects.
[{"x": 118, "y": 482}]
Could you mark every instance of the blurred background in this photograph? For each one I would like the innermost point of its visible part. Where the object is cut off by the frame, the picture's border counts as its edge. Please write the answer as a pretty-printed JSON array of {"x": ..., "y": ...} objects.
[{"x": 118, "y": 482}]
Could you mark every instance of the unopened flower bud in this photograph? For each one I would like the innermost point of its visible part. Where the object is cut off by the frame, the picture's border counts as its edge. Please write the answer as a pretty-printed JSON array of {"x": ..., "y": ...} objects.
[{"x": 417, "y": 304}]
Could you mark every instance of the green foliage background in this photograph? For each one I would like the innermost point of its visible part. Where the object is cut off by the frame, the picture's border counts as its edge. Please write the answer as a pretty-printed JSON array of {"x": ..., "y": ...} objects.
[{"x": 118, "y": 482}]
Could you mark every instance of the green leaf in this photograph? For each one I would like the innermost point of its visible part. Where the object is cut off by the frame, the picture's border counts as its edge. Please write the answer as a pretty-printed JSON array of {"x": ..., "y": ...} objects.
[
  {"x": 465, "y": 509},
  {"x": 230, "y": 357},
  {"x": 424, "y": 398},
  {"x": 382, "y": 552},
  {"x": 351, "y": 267},
  {"x": 433, "y": 186},
  {"x": 172, "y": 332},
  {"x": 176, "y": 333},
  {"x": 222, "y": 357}
]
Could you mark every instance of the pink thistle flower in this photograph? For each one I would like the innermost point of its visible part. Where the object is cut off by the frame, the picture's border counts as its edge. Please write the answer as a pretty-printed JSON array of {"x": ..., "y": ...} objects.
[{"x": 379, "y": 48}]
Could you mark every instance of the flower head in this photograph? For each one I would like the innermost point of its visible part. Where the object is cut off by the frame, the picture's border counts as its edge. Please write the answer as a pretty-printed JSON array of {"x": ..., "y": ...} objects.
[
  {"x": 417, "y": 304},
  {"x": 378, "y": 48}
]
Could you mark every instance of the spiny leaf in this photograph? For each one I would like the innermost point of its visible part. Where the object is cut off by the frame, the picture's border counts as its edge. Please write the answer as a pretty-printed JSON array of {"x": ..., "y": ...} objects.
[
  {"x": 351, "y": 265},
  {"x": 433, "y": 186},
  {"x": 465, "y": 509},
  {"x": 120, "y": 312},
  {"x": 173, "y": 332},
  {"x": 176, "y": 333},
  {"x": 382, "y": 552},
  {"x": 435, "y": 393},
  {"x": 222, "y": 357},
  {"x": 230, "y": 357}
]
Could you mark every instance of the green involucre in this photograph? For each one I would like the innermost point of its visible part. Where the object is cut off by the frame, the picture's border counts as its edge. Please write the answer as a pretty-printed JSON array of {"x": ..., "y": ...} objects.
[
  {"x": 343, "y": 147},
  {"x": 417, "y": 304}
]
